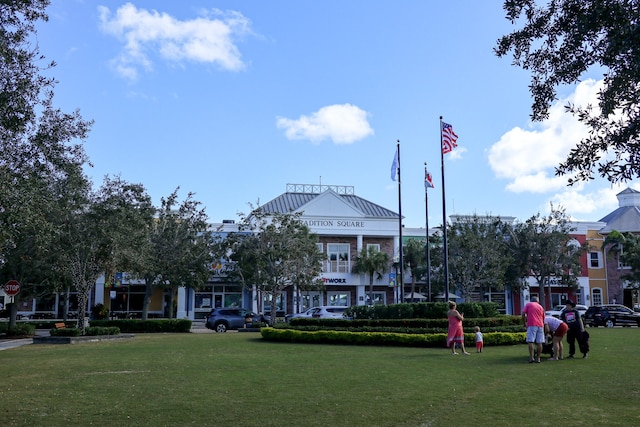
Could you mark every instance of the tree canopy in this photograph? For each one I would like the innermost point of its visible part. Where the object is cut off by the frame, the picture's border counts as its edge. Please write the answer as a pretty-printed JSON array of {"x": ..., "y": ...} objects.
[
  {"x": 270, "y": 252},
  {"x": 559, "y": 42}
]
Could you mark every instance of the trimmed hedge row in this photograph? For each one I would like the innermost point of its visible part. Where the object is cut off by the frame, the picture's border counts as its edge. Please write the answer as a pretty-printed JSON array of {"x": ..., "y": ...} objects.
[
  {"x": 422, "y": 310},
  {"x": 146, "y": 326},
  {"x": 19, "y": 330},
  {"x": 90, "y": 331},
  {"x": 408, "y": 323},
  {"x": 384, "y": 338},
  {"x": 440, "y": 330}
]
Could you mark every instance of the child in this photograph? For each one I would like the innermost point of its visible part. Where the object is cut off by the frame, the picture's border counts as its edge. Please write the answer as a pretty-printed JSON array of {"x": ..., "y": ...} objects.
[{"x": 479, "y": 341}]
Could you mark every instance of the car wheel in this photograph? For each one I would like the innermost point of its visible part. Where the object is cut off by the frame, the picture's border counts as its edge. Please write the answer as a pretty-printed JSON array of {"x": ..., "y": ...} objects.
[
  {"x": 609, "y": 323},
  {"x": 221, "y": 327}
]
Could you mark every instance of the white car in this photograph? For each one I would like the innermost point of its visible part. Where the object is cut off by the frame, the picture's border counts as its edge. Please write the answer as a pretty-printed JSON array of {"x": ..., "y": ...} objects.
[
  {"x": 558, "y": 309},
  {"x": 329, "y": 312},
  {"x": 307, "y": 313}
]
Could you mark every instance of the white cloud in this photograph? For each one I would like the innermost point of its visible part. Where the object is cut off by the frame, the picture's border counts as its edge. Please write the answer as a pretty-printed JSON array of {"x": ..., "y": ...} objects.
[
  {"x": 527, "y": 158},
  {"x": 146, "y": 34},
  {"x": 343, "y": 124}
]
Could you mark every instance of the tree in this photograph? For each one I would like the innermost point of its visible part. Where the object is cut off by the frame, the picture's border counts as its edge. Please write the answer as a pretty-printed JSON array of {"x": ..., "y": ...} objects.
[
  {"x": 415, "y": 261},
  {"x": 106, "y": 230},
  {"x": 179, "y": 250},
  {"x": 547, "y": 250},
  {"x": 371, "y": 262},
  {"x": 271, "y": 252},
  {"x": 476, "y": 254},
  {"x": 558, "y": 43},
  {"x": 38, "y": 155}
]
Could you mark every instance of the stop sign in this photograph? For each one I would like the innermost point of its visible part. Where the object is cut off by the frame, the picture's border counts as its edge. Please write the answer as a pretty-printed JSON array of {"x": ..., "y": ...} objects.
[{"x": 12, "y": 288}]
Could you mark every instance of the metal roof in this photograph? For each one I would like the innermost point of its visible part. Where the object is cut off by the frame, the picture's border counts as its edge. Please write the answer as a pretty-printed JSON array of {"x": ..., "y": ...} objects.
[{"x": 289, "y": 202}]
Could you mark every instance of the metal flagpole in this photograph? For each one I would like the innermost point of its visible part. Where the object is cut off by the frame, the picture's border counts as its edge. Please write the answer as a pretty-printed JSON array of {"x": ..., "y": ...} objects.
[
  {"x": 445, "y": 257},
  {"x": 401, "y": 278},
  {"x": 426, "y": 216}
]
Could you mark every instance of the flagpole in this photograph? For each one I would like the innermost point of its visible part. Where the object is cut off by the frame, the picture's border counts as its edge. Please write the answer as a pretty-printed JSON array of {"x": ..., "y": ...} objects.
[
  {"x": 445, "y": 249},
  {"x": 401, "y": 281},
  {"x": 426, "y": 216}
]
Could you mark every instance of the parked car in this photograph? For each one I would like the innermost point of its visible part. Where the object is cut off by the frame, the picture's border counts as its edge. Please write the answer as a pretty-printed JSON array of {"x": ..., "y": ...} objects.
[
  {"x": 307, "y": 313},
  {"x": 559, "y": 309},
  {"x": 329, "y": 312},
  {"x": 610, "y": 315},
  {"x": 223, "y": 319}
]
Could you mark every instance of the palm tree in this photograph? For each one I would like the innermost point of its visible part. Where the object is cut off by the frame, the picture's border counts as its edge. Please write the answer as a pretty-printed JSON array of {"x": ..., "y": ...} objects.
[
  {"x": 415, "y": 260},
  {"x": 371, "y": 261}
]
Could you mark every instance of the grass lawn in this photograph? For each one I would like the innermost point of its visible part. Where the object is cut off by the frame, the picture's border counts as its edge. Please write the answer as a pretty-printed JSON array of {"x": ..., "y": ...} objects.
[{"x": 236, "y": 379}]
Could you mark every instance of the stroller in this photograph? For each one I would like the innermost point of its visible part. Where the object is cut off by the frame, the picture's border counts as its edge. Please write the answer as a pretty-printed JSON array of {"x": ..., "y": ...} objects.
[
  {"x": 547, "y": 346},
  {"x": 583, "y": 343}
]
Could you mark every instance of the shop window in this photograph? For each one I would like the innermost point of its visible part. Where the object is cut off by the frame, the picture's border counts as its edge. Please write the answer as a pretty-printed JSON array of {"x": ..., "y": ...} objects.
[{"x": 338, "y": 298}]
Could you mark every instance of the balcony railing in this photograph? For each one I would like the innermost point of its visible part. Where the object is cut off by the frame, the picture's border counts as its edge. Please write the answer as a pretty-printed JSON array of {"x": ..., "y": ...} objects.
[{"x": 336, "y": 266}]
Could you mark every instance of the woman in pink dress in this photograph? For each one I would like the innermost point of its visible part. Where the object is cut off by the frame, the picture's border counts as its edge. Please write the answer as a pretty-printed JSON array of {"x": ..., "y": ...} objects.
[{"x": 456, "y": 334}]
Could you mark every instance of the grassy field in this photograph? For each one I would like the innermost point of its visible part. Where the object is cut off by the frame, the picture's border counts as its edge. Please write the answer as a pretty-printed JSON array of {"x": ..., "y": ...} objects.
[{"x": 236, "y": 379}]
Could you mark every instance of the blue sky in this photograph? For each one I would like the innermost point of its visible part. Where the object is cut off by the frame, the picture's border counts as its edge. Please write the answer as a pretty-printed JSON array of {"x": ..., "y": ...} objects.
[{"x": 232, "y": 100}]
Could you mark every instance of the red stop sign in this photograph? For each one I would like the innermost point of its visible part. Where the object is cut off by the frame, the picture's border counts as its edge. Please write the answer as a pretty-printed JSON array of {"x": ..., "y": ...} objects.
[{"x": 12, "y": 288}]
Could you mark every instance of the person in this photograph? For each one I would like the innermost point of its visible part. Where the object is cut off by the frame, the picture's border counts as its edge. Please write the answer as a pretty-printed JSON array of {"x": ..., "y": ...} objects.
[
  {"x": 456, "y": 333},
  {"x": 533, "y": 319},
  {"x": 572, "y": 318},
  {"x": 479, "y": 340},
  {"x": 556, "y": 327}
]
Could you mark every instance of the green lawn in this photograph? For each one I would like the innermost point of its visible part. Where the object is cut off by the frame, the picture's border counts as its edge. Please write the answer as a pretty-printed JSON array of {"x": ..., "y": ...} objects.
[{"x": 236, "y": 379}]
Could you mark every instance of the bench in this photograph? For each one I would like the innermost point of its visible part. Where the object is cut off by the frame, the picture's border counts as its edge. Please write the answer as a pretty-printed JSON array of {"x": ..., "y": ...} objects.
[{"x": 60, "y": 325}]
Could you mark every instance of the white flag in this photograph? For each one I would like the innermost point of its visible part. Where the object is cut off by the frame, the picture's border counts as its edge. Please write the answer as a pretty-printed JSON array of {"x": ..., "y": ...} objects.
[{"x": 394, "y": 166}]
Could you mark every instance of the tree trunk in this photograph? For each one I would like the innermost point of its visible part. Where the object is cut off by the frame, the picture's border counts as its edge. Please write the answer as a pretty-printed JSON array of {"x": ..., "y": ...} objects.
[
  {"x": 83, "y": 297},
  {"x": 148, "y": 289}
]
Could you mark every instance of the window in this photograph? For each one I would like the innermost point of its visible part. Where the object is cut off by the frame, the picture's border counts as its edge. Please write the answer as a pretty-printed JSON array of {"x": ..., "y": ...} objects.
[
  {"x": 375, "y": 246},
  {"x": 379, "y": 298},
  {"x": 594, "y": 260},
  {"x": 338, "y": 258},
  {"x": 338, "y": 298},
  {"x": 320, "y": 247},
  {"x": 596, "y": 296}
]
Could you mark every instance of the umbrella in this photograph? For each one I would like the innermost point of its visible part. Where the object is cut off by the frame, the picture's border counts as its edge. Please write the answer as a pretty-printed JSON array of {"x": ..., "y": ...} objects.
[
  {"x": 415, "y": 295},
  {"x": 450, "y": 297}
]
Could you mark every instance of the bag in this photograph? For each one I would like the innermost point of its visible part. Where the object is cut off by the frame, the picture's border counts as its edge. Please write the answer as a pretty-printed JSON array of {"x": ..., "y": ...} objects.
[{"x": 583, "y": 342}]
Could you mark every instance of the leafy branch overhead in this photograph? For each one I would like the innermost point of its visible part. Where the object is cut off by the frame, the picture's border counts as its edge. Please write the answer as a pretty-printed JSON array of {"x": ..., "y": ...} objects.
[{"x": 559, "y": 42}]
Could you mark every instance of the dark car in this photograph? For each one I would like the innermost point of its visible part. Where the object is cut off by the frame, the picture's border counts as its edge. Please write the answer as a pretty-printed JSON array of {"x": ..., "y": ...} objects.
[
  {"x": 222, "y": 319},
  {"x": 610, "y": 315}
]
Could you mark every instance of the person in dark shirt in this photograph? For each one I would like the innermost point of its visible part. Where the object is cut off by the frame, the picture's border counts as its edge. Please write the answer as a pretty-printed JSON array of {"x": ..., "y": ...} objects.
[{"x": 572, "y": 318}]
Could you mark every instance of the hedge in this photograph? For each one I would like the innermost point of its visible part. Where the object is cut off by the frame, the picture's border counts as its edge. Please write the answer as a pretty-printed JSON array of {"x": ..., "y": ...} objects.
[
  {"x": 91, "y": 331},
  {"x": 423, "y": 310},
  {"x": 384, "y": 338},
  {"x": 146, "y": 326}
]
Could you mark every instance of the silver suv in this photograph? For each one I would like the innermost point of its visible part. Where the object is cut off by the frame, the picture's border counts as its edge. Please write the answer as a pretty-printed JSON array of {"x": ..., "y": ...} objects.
[{"x": 222, "y": 319}]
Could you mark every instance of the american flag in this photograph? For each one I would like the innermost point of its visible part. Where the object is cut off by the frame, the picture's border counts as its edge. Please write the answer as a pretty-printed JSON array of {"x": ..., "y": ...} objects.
[
  {"x": 428, "y": 182},
  {"x": 449, "y": 138}
]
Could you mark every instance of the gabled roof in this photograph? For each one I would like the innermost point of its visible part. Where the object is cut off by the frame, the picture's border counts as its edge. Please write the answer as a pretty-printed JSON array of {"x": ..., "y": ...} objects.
[
  {"x": 623, "y": 219},
  {"x": 293, "y": 202},
  {"x": 627, "y": 217}
]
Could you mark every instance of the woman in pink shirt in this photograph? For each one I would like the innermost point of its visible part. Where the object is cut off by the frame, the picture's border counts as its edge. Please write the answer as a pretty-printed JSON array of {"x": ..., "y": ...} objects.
[{"x": 456, "y": 334}]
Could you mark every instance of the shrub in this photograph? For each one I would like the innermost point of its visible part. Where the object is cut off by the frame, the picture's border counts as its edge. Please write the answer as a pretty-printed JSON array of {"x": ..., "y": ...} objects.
[
  {"x": 21, "y": 330},
  {"x": 142, "y": 326},
  {"x": 384, "y": 338},
  {"x": 64, "y": 332},
  {"x": 424, "y": 310},
  {"x": 99, "y": 311}
]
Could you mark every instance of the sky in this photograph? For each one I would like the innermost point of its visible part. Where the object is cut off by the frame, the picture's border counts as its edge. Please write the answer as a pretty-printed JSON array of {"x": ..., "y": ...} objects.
[{"x": 233, "y": 100}]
